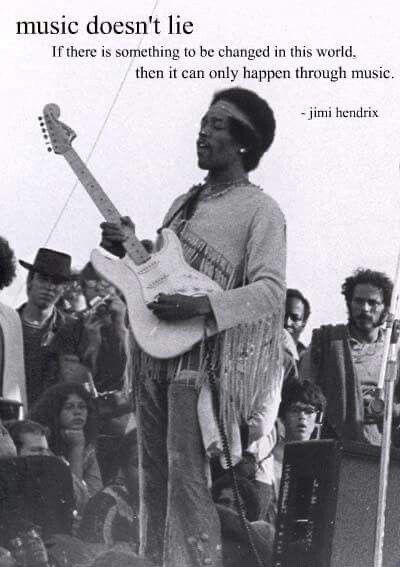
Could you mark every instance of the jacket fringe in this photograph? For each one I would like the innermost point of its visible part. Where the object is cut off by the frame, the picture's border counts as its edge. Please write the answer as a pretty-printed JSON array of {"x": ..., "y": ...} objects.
[{"x": 247, "y": 358}]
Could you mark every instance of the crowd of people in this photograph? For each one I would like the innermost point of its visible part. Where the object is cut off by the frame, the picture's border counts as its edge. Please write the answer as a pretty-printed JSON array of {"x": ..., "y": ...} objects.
[{"x": 143, "y": 441}]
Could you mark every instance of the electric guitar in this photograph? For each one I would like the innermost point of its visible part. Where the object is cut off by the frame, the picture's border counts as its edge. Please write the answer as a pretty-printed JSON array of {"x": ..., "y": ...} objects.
[{"x": 140, "y": 276}]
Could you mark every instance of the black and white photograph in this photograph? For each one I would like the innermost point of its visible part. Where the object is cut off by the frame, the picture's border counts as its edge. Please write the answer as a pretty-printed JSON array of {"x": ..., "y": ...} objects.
[{"x": 199, "y": 284}]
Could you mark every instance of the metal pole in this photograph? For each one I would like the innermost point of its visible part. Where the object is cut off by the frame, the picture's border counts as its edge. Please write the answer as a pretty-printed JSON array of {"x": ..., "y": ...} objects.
[
  {"x": 389, "y": 322},
  {"x": 391, "y": 371}
]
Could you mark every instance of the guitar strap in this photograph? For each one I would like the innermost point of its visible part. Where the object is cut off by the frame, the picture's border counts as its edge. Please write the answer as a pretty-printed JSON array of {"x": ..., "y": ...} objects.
[{"x": 189, "y": 204}]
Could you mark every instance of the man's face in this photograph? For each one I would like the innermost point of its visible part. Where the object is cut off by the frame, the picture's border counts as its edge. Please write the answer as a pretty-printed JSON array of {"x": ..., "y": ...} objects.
[
  {"x": 216, "y": 147},
  {"x": 44, "y": 291},
  {"x": 367, "y": 309},
  {"x": 294, "y": 317},
  {"x": 300, "y": 420},
  {"x": 226, "y": 498},
  {"x": 33, "y": 444}
]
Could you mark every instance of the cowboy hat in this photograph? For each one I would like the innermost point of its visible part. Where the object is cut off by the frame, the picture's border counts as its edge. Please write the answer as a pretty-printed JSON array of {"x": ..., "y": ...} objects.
[{"x": 50, "y": 263}]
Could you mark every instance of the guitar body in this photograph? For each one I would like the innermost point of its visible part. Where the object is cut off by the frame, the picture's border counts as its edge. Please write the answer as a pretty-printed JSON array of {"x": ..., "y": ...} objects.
[{"x": 165, "y": 272}]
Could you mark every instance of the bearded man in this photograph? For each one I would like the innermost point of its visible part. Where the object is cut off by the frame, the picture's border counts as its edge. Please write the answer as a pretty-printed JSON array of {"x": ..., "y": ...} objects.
[{"x": 345, "y": 360}]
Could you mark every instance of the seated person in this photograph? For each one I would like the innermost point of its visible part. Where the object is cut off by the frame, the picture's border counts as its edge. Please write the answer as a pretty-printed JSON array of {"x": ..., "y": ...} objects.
[
  {"x": 300, "y": 412},
  {"x": 222, "y": 492},
  {"x": 30, "y": 438},
  {"x": 26, "y": 544},
  {"x": 111, "y": 516},
  {"x": 262, "y": 461},
  {"x": 6, "y": 559},
  {"x": 67, "y": 410},
  {"x": 236, "y": 549}
]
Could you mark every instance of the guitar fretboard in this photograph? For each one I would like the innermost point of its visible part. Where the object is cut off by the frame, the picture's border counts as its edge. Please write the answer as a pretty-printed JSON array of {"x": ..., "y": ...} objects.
[{"x": 133, "y": 246}]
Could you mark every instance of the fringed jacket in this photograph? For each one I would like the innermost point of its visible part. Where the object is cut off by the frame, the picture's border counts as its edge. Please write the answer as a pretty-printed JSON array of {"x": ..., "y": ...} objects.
[{"x": 238, "y": 239}]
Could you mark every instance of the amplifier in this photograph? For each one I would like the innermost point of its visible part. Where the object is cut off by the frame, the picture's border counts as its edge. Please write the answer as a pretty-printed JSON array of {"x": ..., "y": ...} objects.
[{"x": 328, "y": 506}]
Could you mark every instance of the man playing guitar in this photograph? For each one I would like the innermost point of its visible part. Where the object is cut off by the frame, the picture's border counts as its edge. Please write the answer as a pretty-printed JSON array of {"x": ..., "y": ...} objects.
[{"x": 235, "y": 234}]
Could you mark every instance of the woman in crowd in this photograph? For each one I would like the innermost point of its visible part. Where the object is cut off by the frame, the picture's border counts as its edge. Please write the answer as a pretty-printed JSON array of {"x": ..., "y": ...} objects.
[{"x": 67, "y": 411}]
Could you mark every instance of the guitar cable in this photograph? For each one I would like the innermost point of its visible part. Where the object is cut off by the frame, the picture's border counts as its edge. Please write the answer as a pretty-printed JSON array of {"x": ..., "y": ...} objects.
[{"x": 210, "y": 370}]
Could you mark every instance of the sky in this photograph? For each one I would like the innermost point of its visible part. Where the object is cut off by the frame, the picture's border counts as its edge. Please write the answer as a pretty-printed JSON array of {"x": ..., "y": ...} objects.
[{"x": 335, "y": 178}]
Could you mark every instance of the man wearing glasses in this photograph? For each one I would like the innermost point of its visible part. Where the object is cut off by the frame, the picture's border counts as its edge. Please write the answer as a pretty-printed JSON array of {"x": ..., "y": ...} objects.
[{"x": 345, "y": 360}]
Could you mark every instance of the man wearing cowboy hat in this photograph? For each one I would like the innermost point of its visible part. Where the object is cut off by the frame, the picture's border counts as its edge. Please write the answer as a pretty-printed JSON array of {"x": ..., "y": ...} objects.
[{"x": 48, "y": 333}]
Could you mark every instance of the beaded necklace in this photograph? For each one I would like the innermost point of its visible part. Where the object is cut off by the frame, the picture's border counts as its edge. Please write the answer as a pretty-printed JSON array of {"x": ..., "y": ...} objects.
[
  {"x": 203, "y": 192},
  {"x": 215, "y": 190}
]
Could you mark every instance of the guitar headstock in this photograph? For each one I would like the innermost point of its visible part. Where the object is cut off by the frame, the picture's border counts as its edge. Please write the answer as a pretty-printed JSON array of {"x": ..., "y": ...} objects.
[{"x": 59, "y": 134}]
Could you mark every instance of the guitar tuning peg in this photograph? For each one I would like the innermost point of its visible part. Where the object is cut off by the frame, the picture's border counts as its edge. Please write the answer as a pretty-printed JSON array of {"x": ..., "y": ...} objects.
[
  {"x": 40, "y": 118},
  {"x": 49, "y": 149}
]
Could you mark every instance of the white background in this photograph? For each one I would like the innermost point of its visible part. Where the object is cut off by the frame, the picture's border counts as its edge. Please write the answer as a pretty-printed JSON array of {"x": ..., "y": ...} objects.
[{"x": 337, "y": 180}]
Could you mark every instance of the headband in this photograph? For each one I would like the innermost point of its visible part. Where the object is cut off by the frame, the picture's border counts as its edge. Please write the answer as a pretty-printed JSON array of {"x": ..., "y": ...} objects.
[{"x": 233, "y": 111}]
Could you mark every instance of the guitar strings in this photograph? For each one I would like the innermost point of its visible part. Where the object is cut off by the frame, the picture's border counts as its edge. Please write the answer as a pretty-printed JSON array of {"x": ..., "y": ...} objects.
[{"x": 94, "y": 145}]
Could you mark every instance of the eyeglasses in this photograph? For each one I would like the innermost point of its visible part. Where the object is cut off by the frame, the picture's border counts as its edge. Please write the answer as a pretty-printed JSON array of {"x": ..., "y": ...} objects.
[
  {"x": 373, "y": 304},
  {"x": 300, "y": 408}
]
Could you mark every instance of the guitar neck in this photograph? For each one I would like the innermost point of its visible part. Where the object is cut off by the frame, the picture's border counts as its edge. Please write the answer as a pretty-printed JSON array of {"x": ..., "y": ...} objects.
[{"x": 133, "y": 246}]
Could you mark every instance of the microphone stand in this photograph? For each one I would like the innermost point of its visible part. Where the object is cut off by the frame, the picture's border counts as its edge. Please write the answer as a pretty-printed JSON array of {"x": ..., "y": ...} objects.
[{"x": 384, "y": 397}]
